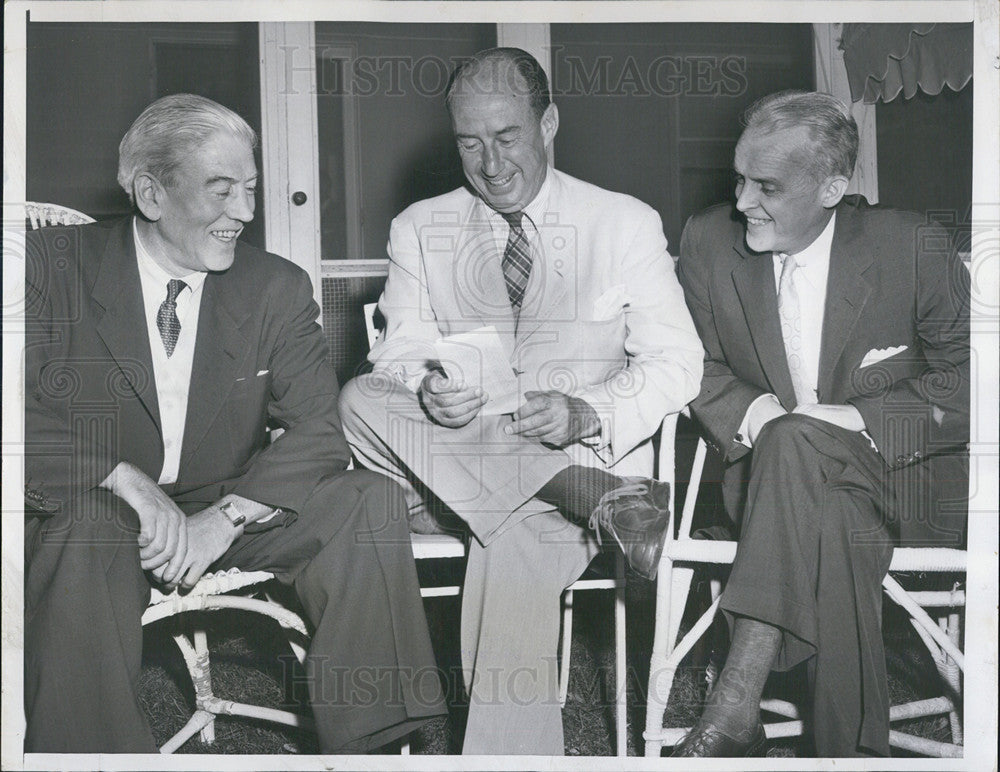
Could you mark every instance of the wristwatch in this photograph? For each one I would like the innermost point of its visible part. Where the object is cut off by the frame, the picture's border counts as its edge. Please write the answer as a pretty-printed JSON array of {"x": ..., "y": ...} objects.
[{"x": 232, "y": 512}]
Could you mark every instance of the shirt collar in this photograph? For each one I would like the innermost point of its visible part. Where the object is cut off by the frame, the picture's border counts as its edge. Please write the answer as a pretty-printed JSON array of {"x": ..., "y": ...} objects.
[
  {"x": 154, "y": 272},
  {"x": 533, "y": 212},
  {"x": 819, "y": 250}
]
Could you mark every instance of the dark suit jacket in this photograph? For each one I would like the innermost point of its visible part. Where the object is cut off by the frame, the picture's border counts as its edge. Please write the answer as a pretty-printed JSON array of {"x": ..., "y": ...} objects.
[
  {"x": 893, "y": 281},
  {"x": 90, "y": 398}
]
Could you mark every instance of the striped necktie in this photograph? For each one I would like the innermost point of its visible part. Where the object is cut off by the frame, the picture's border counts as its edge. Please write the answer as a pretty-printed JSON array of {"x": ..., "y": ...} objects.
[
  {"x": 166, "y": 318},
  {"x": 516, "y": 263},
  {"x": 791, "y": 330}
]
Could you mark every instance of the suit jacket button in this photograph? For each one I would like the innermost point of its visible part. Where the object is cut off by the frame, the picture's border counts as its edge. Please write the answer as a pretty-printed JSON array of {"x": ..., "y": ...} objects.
[{"x": 901, "y": 459}]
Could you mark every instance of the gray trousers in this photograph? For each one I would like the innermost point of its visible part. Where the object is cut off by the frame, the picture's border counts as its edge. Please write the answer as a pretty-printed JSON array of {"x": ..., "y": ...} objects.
[
  {"x": 814, "y": 547},
  {"x": 522, "y": 559}
]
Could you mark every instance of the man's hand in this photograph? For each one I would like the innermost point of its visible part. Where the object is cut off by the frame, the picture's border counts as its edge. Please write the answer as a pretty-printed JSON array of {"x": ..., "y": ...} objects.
[
  {"x": 448, "y": 402},
  {"x": 844, "y": 416},
  {"x": 210, "y": 533},
  {"x": 163, "y": 532},
  {"x": 554, "y": 418}
]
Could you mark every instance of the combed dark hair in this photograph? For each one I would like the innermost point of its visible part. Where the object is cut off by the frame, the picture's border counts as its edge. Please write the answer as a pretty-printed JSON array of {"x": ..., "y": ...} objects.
[
  {"x": 534, "y": 82},
  {"x": 168, "y": 131},
  {"x": 832, "y": 129}
]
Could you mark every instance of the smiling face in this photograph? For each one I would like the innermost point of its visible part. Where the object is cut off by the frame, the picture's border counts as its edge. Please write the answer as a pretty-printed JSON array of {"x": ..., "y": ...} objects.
[
  {"x": 786, "y": 208},
  {"x": 196, "y": 219},
  {"x": 501, "y": 141}
]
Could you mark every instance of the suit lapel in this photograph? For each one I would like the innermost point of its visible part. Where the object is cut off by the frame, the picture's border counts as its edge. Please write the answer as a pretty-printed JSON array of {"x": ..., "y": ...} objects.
[
  {"x": 477, "y": 274},
  {"x": 754, "y": 280},
  {"x": 219, "y": 354},
  {"x": 847, "y": 291},
  {"x": 548, "y": 285},
  {"x": 555, "y": 255},
  {"x": 123, "y": 326}
]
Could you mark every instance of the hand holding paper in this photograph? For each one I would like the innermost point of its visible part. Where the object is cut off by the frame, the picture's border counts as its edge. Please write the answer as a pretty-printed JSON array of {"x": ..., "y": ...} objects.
[
  {"x": 450, "y": 403},
  {"x": 477, "y": 360}
]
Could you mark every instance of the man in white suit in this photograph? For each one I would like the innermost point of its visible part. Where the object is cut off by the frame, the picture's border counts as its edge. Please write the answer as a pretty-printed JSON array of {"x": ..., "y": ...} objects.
[{"x": 578, "y": 283}]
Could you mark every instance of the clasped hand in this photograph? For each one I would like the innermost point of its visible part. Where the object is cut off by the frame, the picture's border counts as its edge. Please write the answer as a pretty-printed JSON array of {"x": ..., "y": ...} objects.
[
  {"x": 209, "y": 535},
  {"x": 174, "y": 548}
]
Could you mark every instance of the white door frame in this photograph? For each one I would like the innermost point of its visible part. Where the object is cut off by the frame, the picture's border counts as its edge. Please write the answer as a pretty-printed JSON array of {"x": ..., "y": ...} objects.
[{"x": 289, "y": 135}]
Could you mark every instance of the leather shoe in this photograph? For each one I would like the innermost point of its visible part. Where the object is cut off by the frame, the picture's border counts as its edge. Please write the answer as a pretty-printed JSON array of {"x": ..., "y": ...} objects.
[
  {"x": 636, "y": 515},
  {"x": 706, "y": 741}
]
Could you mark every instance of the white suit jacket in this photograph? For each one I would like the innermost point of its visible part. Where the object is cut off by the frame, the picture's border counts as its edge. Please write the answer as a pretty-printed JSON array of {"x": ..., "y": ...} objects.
[{"x": 603, "y": 317}]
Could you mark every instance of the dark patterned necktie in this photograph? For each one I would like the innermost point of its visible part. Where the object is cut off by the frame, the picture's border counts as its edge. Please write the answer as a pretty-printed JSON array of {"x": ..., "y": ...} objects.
[
  {"x": 166, "y": 318},
  {"x": 516, "y": 263}
]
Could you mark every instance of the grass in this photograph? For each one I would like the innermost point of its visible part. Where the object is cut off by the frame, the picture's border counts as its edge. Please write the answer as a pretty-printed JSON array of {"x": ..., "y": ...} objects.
[{"x": 246, "y": 666}]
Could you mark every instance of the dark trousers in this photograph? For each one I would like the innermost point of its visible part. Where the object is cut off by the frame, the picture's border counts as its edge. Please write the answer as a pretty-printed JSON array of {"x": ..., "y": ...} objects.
[
  {"x": 813, "y": 550},
  {"x": 370, "y": 667}
]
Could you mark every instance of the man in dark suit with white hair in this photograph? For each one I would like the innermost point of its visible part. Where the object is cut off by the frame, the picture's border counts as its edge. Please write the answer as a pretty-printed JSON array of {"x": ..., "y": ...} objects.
[{"x": 159, "y": 351}]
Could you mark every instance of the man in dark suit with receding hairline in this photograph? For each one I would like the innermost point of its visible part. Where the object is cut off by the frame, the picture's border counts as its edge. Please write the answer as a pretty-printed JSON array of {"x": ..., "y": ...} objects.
[{"x": 836, "y": 389}]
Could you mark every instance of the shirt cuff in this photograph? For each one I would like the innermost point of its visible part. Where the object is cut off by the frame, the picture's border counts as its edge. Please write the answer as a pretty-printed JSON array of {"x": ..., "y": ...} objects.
[
  {"x": 743, "y": 433},
  {"x": 264, "y": 519},
  {"x": 600, "y": 443}
]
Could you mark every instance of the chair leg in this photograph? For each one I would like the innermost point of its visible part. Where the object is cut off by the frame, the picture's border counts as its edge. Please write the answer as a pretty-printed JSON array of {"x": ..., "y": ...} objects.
[
  {"x": 196, "y": 658},
  {"x": 680, "y": 587},
  {"x": 207, "y": 732},
  {"x": 952, "y": 676},
  {"x": 666, "y": 657},
  {"x": 567, "y": 645},
  {"x": 621, "y": 652},
  {"x": 664, "y": 635}
]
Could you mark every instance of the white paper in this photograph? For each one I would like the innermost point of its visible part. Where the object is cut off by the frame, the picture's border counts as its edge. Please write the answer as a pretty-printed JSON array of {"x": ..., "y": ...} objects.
[{"x": 478, "y": 359}]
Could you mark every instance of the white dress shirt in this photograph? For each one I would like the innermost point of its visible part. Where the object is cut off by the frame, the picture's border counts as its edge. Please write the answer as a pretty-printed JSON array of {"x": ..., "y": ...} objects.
[
  {"x": 810, "y": 284},
  {"x": 172, "y": 374},
  {"x": 533, "y": 214}
]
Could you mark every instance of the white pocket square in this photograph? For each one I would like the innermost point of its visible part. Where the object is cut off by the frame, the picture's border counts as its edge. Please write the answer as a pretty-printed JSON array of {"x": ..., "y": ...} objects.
[
  {"x": 610, "y": 303},
  {"x": 876, "y": 355},
  {"x": 262, "y": 372}
]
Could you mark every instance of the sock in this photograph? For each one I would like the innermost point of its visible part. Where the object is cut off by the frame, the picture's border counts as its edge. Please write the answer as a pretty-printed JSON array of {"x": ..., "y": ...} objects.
[
  {"x": 577, "y": 490},
  {"x": 733, "y": 707}
]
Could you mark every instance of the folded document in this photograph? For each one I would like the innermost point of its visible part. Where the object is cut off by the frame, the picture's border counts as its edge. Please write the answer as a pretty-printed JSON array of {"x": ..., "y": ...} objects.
[{"x": 478, "y": 359}]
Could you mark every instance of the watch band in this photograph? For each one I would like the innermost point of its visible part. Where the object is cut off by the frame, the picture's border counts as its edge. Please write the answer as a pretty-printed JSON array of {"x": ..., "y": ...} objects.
[{"x": 232, "y": 512}]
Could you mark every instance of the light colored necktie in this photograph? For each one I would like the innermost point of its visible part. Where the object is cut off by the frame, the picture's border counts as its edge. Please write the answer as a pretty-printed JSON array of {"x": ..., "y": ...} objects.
[
  {"x": 166, "y": 318},
  {"x": 791, "y": 330},
  {"x": 516, "y": 262}
]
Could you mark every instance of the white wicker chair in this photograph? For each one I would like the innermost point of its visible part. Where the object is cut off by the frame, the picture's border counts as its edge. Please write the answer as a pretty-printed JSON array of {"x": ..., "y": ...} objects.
[
  {"x": 681, "y": 555},
  {"x": 42, "y": 215},
  {"x": 445, "y": 546},
  {"x": 212, "y": 594}
]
